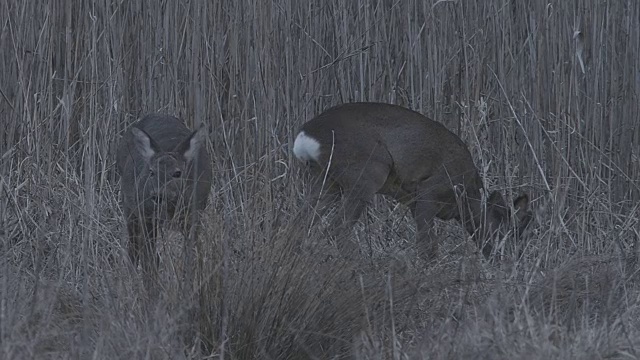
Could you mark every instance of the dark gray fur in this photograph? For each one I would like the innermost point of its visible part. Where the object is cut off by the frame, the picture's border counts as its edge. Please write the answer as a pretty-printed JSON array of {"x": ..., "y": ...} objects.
[
  {"x": 376, "y": 148},
  {"x": 165, "y": 172}
]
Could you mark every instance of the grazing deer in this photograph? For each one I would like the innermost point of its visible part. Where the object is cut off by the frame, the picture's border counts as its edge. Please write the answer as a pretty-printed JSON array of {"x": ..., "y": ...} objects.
[
  {"x": 374, "y": 148},
  {"x": 165, "y": 172}
]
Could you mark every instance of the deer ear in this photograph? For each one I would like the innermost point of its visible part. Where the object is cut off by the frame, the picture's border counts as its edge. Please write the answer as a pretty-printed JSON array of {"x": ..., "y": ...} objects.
[
  {"x": 143, "y": 143},
  {"x": 521, "y": 207},
  {"x": 190, "y": 147}
]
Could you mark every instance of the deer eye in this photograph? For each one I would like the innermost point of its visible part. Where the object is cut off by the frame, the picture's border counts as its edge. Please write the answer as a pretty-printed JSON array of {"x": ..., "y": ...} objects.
[{"x": 177, "y": 174}]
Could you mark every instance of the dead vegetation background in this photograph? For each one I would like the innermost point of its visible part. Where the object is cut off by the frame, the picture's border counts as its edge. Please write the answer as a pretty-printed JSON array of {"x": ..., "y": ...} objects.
[{"x": 545, "y": 93}]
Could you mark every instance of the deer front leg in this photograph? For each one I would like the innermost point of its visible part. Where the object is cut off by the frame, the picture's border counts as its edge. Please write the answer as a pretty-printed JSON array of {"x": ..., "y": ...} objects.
[{"x": 149, "y": 255}]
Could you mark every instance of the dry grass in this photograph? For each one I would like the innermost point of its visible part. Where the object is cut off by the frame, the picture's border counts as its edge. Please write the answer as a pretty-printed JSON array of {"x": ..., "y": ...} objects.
[{"x": 545, "y": 93}]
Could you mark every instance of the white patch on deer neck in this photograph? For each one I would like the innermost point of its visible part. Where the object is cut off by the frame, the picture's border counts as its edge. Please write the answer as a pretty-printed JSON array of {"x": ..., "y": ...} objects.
[{"x": 306, "y": 148}]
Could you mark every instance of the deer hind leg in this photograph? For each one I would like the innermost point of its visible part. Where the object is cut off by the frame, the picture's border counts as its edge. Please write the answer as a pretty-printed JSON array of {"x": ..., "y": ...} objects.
[
  {"x": 359, "y": 184},
  {"x": 323, "y": 194}
]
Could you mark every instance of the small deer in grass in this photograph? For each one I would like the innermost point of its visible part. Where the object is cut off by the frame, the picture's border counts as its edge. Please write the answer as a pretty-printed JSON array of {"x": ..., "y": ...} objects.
[
  {"x": 373, "y": 148},
  {"x": 165, "y": 172}
]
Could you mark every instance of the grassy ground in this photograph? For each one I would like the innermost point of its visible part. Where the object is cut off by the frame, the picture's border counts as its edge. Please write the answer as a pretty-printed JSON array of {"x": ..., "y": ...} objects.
[{"x": 545, "y": 93}]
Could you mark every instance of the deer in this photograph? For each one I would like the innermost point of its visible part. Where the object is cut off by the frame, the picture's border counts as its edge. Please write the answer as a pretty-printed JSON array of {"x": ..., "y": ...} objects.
[
  {"x": 361, "y": 149},
  {"x": 166, "y": 176}
]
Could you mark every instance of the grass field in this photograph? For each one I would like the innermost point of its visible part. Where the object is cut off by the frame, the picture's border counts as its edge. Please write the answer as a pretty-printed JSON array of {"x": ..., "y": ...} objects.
[{"x": 545, "y": 94}]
